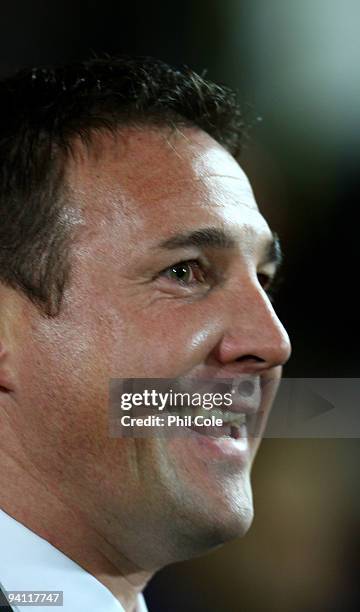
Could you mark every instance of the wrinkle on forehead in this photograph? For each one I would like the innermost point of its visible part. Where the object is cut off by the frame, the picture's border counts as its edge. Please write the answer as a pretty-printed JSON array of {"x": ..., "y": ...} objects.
[{"x": 153, "y": 164}]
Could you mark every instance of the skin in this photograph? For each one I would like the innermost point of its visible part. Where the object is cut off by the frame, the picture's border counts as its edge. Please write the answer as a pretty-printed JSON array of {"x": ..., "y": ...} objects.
[{"x": 124, "y": 507}]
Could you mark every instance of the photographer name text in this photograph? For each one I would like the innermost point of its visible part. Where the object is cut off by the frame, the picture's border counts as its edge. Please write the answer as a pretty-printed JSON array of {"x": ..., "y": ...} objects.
[{"x": 171, "y": 420}]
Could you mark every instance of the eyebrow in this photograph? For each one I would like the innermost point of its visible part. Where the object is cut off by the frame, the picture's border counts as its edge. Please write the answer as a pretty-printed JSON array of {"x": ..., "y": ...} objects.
[{"x": 217, "y": 238}]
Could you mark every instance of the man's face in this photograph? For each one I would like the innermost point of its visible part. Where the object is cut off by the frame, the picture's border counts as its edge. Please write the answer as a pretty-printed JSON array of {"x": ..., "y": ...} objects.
[{"x": 132, "y": 311}]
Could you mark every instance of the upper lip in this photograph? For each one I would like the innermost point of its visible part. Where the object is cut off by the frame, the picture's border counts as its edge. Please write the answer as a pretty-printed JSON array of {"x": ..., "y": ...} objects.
[
  {"x": 245, "y": 408},
  {"x": 248, "y": 403}
]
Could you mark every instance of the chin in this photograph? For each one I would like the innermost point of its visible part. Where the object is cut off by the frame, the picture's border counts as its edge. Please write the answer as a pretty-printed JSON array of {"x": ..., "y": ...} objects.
[
  {"x": 216, "y": 522},
  {"x": 231, "y": 524},
  {"x": 231, "y": 510},
  {"x": 212, "y": 536}
]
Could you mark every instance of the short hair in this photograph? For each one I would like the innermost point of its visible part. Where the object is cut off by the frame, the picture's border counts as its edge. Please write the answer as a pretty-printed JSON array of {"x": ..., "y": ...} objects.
[{"x": 43, "y": 111}]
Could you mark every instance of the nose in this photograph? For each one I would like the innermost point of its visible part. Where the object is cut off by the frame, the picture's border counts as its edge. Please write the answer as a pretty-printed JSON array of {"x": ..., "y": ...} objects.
[{"x": 253, "y": 338}]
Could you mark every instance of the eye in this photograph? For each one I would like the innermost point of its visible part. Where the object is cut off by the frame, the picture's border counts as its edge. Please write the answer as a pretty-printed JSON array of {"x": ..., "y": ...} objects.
[
  {"x": 265, "y": 280},
  {"x": 270, "y": 284},
  {"x": 186, "y": 273}
]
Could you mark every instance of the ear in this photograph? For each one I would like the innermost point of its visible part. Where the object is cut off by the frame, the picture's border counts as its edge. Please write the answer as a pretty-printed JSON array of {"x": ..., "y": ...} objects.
[{"x": 9, "y": 307}]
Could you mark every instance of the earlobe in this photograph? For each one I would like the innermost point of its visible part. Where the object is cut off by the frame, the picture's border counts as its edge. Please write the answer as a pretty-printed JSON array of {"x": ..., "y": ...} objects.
[
  {"x": 5, "y": 383},
  {"x": 6, "y": 327}
]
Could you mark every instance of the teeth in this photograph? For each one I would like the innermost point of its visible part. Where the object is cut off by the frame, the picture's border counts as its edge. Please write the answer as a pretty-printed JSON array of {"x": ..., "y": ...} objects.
[{"x": 229, "y": 418}]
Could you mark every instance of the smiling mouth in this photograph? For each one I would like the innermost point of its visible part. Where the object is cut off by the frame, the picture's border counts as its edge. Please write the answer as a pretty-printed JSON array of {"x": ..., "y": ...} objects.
[{"x": 234, "y": 422}]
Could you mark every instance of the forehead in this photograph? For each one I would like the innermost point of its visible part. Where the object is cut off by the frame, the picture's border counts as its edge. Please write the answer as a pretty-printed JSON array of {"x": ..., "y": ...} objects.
[{"x": 155, "y": 181}]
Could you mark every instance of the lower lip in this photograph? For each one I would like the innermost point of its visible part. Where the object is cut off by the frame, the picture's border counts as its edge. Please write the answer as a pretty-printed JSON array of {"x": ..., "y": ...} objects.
[{"x": 224, "y": 446}]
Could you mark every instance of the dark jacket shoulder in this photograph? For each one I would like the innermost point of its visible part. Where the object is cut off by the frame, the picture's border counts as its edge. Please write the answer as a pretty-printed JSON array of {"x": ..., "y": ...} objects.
[{"x": 4, "y": 606}]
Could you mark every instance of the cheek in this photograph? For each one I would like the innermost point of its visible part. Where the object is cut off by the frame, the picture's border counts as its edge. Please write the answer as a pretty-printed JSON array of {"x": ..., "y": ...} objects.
[{"x": 169, "y": 342}]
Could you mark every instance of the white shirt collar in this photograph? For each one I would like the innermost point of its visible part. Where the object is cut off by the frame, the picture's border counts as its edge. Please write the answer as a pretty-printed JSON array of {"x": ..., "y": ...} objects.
[{"x": 30, "y": 563}]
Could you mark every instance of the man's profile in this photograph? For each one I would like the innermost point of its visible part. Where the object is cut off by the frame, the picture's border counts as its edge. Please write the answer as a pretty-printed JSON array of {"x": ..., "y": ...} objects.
[{"x": 131, "y": 246}]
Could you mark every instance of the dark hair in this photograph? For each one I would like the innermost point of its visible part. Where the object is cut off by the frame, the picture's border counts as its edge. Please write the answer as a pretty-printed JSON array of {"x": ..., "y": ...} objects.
[{"x": 43, "y": 110}]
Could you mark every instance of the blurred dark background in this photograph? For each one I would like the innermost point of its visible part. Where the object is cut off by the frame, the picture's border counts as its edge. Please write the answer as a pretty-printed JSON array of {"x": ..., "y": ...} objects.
[{"x": 296, "y": 66}]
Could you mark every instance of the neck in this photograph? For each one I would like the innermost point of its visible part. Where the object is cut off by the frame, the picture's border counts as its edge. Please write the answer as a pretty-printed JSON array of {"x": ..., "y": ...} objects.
[{"x": 49, "y": 516}]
